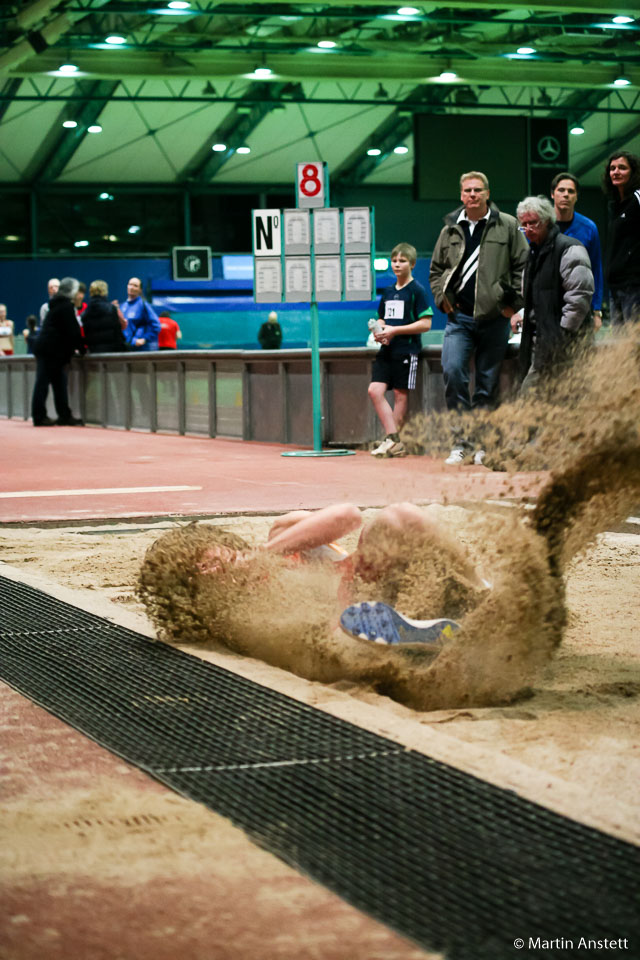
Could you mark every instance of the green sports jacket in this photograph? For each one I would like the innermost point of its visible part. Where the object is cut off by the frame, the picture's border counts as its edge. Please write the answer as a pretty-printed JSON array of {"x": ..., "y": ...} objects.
[{"x": 503, "y": 254}]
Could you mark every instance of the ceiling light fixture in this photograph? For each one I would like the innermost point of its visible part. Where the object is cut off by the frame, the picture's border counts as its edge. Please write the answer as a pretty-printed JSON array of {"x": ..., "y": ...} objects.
[
  {"x": 209, "y": 90},
  {"x": 243, "y": 150},
  {"x": 81, "y": 243},
  {"x": 407, "y": 11},
  {"x": 622, "y": 19},
  {"x": 179, "y": 5},
  {"x": 525, "y": 51},
  {"x": 447, "y": 76},
  {"x": 70, "y": 124},
  {"x": 105, "y": 196},
  {"x": 67, "y": 69},
  {"x": 373, "y": 152},
  {"x": 134, "y": 229},
  {"x": 621, "y": 81},
  {"x": 401, "y": 149},
  {"x": 327, "y": 44},
  {"x": 261, "y": 73},
  {"x": 219, "y": 147},
  {"x": 115, "y": 40},
  {"x": 94, "y": 128},
  {"x": 381, "y": 93},
  {"x": 577, "y": 131}
]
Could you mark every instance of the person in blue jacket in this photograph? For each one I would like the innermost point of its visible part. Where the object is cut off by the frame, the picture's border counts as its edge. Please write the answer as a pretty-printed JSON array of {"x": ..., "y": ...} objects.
[
  {"x": 143, "y": 326},
  {"x": 564, "y": 193}
]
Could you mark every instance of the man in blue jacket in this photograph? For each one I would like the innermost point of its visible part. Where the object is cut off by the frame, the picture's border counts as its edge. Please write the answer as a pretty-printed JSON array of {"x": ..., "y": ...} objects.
[
  {"x": 143, "y": 326},
  {"x": 564, "y": 193}
]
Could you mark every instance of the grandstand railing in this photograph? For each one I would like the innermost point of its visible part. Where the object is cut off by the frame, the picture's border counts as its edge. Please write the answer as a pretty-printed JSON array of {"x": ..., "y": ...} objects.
[{"x": 261, "y": 395}]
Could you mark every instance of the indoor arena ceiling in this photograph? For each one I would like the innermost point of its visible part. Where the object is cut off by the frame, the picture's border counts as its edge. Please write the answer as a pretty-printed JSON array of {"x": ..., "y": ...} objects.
[{"x": 153, "y": 89}]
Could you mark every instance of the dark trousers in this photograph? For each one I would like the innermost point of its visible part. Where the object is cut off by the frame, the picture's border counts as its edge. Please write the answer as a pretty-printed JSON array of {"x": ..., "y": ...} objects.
[
  {"x": 462, "y": 339},
  {"x": 625, "y": 305},
  {"x": 50, "y": 372}
]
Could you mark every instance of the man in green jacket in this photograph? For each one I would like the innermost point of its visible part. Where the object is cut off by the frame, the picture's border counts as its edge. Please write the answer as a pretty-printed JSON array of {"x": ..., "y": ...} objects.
[{"x": 476, "y": 279}]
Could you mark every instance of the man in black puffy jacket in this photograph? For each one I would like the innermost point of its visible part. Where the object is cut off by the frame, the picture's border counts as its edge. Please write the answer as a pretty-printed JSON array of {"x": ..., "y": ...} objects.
[
  {"x": 60, "y": 337},
  {"x": 100, "y": 322}
]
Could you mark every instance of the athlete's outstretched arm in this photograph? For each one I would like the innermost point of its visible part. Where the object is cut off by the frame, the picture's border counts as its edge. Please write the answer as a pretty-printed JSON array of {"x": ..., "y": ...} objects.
[{"x": 304, "y": 531}]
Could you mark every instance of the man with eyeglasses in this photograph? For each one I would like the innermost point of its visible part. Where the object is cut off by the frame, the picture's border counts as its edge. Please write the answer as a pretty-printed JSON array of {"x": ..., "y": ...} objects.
[
  {"x": 557, "y": 287},
  {"x": 476, "y": 278}
]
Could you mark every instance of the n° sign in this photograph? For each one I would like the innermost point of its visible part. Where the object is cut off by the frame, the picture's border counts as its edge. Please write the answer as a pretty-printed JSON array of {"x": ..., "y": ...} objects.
[
  {"x": 267, "y": 233},
  {"x": 310, "y": 184}
]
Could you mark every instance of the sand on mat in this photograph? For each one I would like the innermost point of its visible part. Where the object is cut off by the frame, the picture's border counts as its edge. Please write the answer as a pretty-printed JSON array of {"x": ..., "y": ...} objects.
[{"x": 580, "y": 730}]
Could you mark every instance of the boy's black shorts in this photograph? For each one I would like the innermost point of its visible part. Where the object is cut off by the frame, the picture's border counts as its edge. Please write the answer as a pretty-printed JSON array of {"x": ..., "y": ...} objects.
[{"x": 398, "y": 371}]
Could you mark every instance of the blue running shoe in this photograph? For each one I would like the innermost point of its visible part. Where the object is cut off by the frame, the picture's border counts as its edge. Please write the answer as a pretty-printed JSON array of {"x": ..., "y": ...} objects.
[{"x": 382, "y": 624}]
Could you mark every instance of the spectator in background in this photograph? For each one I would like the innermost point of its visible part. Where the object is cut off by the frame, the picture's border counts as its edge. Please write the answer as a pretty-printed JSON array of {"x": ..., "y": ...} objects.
[
  {"x": 476, "y": 277},
  {"x": 79, "y": 303},
  {"x": 169, "y": 332},
  {"x": 52, "y": 289},
  {"x": 270, "y": 333},
  {"x": 60, "y": 337},
  {"x": 564, "y": 193},
  {"x": 101, "y": 323},
  {"x": 31, "y": 331},
  {"x": 143, "y": 326},
  {"x": 557, "y": 286},
  {"x": 621, "y": 183},
  {"x": 6, "y": 333}
]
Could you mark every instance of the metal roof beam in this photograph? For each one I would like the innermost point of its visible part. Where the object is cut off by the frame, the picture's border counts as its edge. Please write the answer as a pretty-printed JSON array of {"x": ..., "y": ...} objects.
[
  {"x": 233, "y": 131},
  {"x": 60, "y": 144},
  {"x": 391, "y": 132},
  {"x": 617, "y": 143}
]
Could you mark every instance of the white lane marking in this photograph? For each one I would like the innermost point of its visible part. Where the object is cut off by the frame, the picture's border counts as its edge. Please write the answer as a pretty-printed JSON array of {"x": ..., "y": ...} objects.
[{"x": 96, "y": 492}]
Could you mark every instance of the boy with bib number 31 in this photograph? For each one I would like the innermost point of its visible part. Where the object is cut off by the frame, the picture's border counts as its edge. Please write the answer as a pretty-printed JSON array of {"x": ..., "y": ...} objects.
[{"x": 403, "y": 315}]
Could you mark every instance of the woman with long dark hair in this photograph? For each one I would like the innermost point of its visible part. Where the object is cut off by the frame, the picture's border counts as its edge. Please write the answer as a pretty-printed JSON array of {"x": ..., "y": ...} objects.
[{"x": 621, "y": 183}]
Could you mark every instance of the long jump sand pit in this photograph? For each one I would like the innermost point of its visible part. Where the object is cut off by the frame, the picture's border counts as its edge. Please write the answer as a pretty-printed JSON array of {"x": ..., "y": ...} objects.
[{"x": 578, "y": 727}]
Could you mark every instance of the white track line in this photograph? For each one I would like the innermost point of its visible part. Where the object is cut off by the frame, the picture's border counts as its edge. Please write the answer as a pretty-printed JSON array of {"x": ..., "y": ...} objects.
[{"x": 100, "y": 491}]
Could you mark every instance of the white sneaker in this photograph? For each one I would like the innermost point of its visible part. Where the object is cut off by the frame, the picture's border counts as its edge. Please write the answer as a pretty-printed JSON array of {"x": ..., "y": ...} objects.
[
  {"x": 457, "y": 455},
  {"x": 478, "y": 457},
  {"x": 389, "y": 448}
]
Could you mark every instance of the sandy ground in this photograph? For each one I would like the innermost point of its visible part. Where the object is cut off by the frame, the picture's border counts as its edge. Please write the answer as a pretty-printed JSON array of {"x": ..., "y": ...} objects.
[{"x": 575, "y": 744}]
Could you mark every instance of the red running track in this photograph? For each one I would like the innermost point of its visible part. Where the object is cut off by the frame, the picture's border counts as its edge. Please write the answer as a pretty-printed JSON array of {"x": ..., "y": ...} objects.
[{"x": 82, "y": 473}]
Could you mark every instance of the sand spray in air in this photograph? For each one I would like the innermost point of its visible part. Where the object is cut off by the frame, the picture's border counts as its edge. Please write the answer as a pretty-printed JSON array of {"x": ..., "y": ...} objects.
[{"x": 583, "y": 428}]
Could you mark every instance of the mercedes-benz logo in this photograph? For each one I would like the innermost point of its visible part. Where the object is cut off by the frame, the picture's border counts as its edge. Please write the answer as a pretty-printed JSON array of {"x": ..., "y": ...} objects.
[
  {"x": 192, "y": 263},
  {"x": 548, "y": 148}
]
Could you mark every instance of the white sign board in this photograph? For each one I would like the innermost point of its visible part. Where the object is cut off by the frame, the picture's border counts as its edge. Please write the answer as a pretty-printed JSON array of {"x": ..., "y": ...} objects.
[
  {"x": 326, "y": 230},
  {"x": 311, "y": 184},
  {"x": 328, "y": 277},
  {"x": 267, "y": 281},
  {"x": 297, "y": 232},
  {"x": 267, "y": 230},
  {"x": 297, "y": 273},
  {"x": 357, "y": 278},
  {"x": 357, "y": 230}
]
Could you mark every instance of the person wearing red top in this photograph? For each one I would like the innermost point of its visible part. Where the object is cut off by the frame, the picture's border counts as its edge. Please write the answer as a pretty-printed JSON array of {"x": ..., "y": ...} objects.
[{"x": 169, "y": 332}]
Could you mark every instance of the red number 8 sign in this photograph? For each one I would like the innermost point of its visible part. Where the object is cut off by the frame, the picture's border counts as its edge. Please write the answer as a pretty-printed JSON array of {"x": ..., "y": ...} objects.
[{"x": 311, "y": 184}]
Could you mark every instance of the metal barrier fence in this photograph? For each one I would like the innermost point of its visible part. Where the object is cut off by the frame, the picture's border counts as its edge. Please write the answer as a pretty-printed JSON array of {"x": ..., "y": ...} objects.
[{"x": 251, "y": 395}]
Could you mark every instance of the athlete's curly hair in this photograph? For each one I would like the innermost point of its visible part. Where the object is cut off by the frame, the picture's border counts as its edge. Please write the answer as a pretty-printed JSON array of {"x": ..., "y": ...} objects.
[{"x": 170, "y": 580}]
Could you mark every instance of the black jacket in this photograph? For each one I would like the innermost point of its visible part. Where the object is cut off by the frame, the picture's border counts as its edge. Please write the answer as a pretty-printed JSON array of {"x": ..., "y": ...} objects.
[
  {"x": 557, "y": 286},
  {"x": 101, "y": 325},
  {"x": 60, "y": 334},
  {"x": 623, "y": 262}
]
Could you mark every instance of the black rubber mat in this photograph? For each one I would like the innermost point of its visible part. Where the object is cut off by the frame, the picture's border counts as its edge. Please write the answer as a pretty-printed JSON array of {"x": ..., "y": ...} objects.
[{"x": 448, "y": 860}]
